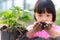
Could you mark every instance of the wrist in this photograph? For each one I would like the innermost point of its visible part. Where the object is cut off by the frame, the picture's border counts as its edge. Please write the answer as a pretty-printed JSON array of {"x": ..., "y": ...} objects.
[{"x": 30, "y": 33}]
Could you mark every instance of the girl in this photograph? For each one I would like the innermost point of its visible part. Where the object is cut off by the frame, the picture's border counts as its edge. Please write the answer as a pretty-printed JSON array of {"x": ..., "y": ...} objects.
[{"x": 44, "y": 11}]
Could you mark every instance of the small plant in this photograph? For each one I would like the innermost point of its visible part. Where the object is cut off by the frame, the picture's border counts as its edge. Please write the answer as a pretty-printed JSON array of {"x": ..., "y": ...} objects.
[{"x": 15, "y": 17}]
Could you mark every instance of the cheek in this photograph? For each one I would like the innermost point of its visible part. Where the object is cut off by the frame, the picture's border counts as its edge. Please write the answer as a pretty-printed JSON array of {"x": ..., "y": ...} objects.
[
  {"x": 50, "y": 18},
  {"x": 38, "y": 19}
]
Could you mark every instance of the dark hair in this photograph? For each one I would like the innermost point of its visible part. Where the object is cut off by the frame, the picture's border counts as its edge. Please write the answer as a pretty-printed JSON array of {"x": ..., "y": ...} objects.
[{"x": 41, "y": 5}]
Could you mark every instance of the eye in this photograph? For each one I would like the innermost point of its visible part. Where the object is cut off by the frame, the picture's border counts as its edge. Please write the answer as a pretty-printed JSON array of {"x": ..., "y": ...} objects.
[
  {"x": 48, "y": 15},
  {"x": 40, "y": 15}
]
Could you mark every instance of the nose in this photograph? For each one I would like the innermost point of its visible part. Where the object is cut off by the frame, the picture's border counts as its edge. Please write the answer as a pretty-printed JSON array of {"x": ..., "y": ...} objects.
[{"x": 44, "y": 19}]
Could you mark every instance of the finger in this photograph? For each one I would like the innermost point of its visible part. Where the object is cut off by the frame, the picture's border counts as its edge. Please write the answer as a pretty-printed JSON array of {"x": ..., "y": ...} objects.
[
  {"x": 48, "y": 26},
  {"x": 36, "y": 24},
  {"x": 49, "y": 22}
]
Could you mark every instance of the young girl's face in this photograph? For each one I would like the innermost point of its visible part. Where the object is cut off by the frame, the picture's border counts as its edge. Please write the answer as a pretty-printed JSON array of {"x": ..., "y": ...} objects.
[{"x": 43, "y": 17}]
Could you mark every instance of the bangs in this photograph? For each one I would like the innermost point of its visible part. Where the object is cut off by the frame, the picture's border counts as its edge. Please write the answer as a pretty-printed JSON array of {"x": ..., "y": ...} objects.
[
  {"x": 43, "y": 10},
  {"x": 40, "y": 8}
]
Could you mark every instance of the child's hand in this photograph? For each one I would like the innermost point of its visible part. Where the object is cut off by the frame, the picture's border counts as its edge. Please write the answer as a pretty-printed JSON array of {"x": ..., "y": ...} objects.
[
  {"x": 48, "y": 25},
  {"x": 37, "y": 27}
]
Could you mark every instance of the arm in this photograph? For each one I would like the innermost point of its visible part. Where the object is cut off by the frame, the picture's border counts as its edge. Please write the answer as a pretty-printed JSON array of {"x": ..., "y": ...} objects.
[{"x": 53, "y": 33}]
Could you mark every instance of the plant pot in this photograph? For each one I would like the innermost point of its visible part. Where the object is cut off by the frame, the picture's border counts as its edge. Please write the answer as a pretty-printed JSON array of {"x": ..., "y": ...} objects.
[{"x": 8, "y": 35}]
